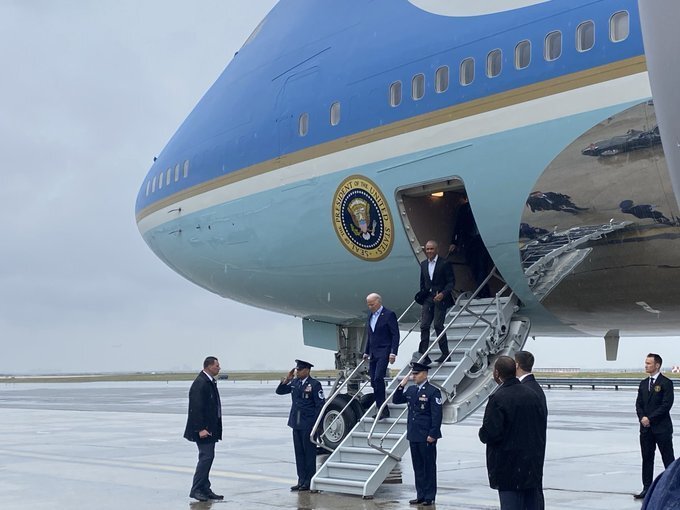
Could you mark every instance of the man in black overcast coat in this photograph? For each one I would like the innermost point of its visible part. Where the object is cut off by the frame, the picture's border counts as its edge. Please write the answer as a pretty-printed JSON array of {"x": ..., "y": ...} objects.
[
  {"x": 525, "y": 364},
  {"x": 204, "y": 426},
  {"x": 513, "y": 422}
]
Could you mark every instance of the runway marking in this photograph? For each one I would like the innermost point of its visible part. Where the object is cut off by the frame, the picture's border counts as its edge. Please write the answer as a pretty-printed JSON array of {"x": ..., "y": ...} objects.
[{"x": 147, "y": 466}]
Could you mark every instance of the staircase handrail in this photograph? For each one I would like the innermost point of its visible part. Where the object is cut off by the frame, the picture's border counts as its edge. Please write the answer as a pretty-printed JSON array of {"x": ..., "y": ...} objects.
[
  {"x": 316, "y": 438},
  {"x": 464, "y": 307}
]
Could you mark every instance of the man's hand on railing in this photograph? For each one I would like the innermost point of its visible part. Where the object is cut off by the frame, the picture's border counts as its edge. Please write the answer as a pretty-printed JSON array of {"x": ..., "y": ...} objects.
[
  {"x": 365, "y": 356},
  {"x": 393, "y": 358}
]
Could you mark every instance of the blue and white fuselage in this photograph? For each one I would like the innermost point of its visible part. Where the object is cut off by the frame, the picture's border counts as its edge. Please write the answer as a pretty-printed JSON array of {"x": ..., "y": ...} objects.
[{"x": 402, "y": 98}]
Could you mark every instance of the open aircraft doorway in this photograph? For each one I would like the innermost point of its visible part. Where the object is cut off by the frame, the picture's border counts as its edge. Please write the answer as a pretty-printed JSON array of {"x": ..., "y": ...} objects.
[{"x": 430, "y": 212}]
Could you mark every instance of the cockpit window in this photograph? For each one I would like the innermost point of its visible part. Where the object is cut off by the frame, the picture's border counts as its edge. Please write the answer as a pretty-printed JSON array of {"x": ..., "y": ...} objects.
[
  {"x": 148, "y": 187},
  {"x": 619, "y": 26},
  {"x": 177, "y": 172},
  {"x": 186, "y": 169},
  {"x": 153, "y": 184},
  {"x": 168, "y": 173},
  {"x": 160, "y": 180}
]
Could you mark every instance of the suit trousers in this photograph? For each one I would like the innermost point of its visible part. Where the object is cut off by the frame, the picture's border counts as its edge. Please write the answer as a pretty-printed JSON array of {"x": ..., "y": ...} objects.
[
  {"x": 479, "y": 260},
  {"x": 377, "y": 369},
  {"x": 648, "y": 443},
  {"x": 424, "y": 459},
  {"x": 305, "y": 456},
  {"x": 437, "y": 312},
  {"x": 526, "y": 499},
  {"x": 206, "y": 455}
]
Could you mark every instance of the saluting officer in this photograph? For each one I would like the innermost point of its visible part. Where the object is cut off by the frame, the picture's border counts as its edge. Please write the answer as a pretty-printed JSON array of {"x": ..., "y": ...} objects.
[
  {"x": 308, "y": 399},
  {"x": 423, "y": 430}
]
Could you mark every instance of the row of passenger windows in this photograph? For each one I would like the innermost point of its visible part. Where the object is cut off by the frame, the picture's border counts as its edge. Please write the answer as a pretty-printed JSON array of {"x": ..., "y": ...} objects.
[
  {"x": 167, "y": 177},
  {"x": 619, "y": 29}
]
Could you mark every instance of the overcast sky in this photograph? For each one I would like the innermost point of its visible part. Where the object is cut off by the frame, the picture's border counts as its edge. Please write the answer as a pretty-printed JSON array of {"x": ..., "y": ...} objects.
[{"x": 90, "y": 92}]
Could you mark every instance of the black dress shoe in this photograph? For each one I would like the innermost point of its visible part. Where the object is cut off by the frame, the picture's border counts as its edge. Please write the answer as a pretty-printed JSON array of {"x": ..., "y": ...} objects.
[
  {"x": 303, "y": 488},
  {"x": 641, "y": 495},
  {"x": 295, "y": 488},
  {"x": 200, "y": 496},
  {"x": 212, "y": 495},
  {"x": 416, "y": 501},
  {"x": 427, "y": 502},
  {"x": 442, "y": 358}
]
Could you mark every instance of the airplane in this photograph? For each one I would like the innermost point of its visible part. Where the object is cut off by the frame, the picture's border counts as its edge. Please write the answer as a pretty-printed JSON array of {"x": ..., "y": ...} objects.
[{"x": 343, "y": 135}]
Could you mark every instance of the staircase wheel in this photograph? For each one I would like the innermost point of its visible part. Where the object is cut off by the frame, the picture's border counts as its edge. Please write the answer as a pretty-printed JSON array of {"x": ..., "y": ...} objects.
[{"x": 342, "y": 426}]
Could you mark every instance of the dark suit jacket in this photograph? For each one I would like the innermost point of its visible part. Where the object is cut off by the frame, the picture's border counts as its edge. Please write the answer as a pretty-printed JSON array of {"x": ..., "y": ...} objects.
[
  {"x": 514, "y": 422},
  {"x": 385, "y": 339},
  {"x": 466, "y": 226},
  {"x": 656, "y": 405},
  {"x": 203, "y": 410},
  {"x": 424, "y": 411},
  {"x": 442, "y": 278},
  {"x": 530, "y": 382}
]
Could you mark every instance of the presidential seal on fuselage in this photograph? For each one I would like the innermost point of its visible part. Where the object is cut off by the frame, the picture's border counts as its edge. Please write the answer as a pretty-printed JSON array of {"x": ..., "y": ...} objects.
[{"x": 362, "y": 219}]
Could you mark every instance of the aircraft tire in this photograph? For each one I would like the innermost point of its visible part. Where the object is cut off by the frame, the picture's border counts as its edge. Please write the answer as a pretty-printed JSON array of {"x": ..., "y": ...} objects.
[{"x": 342, "y": 426}]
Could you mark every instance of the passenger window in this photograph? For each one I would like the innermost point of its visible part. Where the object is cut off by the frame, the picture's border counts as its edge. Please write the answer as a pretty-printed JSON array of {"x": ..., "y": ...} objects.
[
  {"x": 619, "y": 26},
  {"x": 303, "y": 124},
  {"x": 418, "y": 87},
  {"x": 395, "y": 94},
  {"x": 493, "y": 63},
  {"x": 168, "y": 173},
  {"x": 160, "y": 180},
  {"x": 177, "y": 172},
  {"x": 585, "y": 36},
  {"x": 335, "y": 114},
  {"x": 441, "y": 79},
  {"x": 153, "y": 184},
  {"x": 186, "y": 169},
  {"x": 553, "y": 46},
  {"x": 148, "y": 187},
  {"x": 467, "y": 71},
  {"x": 522, "y": 55}
]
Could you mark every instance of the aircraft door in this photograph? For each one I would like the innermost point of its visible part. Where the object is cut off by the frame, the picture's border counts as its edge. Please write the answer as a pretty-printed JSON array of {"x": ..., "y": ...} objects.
[{"x": 293, "y": 116}]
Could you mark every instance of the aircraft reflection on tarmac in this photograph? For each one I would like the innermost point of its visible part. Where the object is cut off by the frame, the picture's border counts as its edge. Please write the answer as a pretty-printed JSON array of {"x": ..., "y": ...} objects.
[{"x": 119, "y": 445}]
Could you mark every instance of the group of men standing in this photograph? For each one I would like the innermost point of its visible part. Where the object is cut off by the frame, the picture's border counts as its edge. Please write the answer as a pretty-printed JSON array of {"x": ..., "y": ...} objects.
[{"x": 514, "y": 425}]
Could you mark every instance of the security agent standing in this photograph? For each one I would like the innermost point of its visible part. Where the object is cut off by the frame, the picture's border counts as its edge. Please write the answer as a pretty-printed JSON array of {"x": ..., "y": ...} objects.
[
  {"x": 653, "y": 406},
  {"x": 308, "y": 399},
  {"x": 513, "y": 419},
  {"x": 423, "y": 429},
  {"x": 382, "y": 344},
  {"x": 204, "y": 426},
  {"x": 524, "y": 361}
]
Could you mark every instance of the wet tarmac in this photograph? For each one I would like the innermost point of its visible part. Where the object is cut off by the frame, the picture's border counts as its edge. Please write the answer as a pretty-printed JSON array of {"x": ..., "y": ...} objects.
[{"x": 120, "y": 446}]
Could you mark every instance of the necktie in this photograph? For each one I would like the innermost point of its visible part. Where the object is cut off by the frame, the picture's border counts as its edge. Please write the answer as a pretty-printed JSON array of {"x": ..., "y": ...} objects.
[
  {"x": 219, "y": 402},
  {"x": 651, "y": 383}
]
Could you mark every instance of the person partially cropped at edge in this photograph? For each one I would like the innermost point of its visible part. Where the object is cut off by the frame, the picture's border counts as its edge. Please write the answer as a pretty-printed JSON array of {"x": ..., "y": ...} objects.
[
  {"x": 307, "y": 400},
  {"x": 204, "y": 426}
]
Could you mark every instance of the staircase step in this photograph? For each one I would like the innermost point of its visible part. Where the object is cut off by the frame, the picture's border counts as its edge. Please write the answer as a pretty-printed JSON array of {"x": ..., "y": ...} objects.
[
  {"x": 350, "y": 471},
  {"x": 338, "y": 485}
]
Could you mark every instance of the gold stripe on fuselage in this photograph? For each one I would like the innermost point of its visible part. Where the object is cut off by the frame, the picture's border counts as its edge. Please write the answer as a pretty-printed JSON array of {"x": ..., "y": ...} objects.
[{"x": 623, "y": 68}]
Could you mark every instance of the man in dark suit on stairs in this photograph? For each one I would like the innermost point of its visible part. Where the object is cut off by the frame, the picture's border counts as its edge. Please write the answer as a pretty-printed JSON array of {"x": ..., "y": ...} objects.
[
  {"x": 382, "y": 344},
  {"x": 435, "y": 296},
  {"x": 653, "y": 406},
  {"x": 204, "y": 426}
]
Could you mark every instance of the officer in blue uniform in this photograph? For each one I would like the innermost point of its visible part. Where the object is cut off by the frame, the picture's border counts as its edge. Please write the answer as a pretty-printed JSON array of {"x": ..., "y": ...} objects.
[
  {"x": 423, "y": 429},
  {"x": 308, "y": 399}
]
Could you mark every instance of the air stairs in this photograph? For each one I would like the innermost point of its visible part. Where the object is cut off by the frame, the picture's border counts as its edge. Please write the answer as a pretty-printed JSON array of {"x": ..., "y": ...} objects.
[{"x": 477, "y": 331}]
